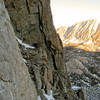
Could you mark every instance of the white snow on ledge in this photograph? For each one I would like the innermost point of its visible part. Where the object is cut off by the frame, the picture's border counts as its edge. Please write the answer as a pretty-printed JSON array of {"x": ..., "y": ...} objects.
[
  {"x": 76, "y": 87},
  {"x": 39, "y": 98},
  {"x": 24, "y": 44},
  {"x": 48, "y": 97},
  {"x": 25, "y": 60}
]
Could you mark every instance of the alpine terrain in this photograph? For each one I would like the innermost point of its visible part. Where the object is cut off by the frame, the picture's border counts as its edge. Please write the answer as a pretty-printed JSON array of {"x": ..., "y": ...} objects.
[
  {"x": 84, "y": 35},
  {"x": 82, "y": 56}
]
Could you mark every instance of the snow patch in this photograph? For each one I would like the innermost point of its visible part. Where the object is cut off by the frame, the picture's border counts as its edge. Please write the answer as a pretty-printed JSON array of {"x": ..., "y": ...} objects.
[
  {"x": 96, "y": 25},
  {"x": 25, "y": 60},
  {"x": 39, "y": 98},
  {"x": 74, "y": 40},
  {"x": 24, "y": 44},
  {"x": 89, "y": 42},
  {"x": 87, "y": 24},
  {"x": 49, "y": 97},
  {"x": 91, "y": 26},
  {"x": 76, "y": 87}
]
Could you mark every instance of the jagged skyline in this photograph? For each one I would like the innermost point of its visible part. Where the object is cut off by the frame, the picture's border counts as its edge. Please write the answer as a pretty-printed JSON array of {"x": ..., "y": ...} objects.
[
  {"x": 84, "y": 35},
  {"x": 68, "y": 12}
]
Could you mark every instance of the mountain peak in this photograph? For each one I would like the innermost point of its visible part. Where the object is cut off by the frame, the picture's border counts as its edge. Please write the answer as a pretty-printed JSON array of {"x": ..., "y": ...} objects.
[{"x": 84, "y": 35}]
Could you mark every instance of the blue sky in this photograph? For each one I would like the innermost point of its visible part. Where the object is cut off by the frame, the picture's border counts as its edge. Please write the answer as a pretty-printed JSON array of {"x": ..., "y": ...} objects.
[{"x": 69, "y": 12}]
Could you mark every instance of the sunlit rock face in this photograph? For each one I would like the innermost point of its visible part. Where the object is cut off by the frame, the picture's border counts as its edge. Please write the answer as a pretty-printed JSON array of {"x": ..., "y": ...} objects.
[{"x": 84, "y": 35}]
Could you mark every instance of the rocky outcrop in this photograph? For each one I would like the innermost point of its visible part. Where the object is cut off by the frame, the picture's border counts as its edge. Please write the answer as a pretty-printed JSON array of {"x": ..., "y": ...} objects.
[
  {"x": 75, "y": 66},
  {"x": 84, "y": 71},
  {"x": 32, "y": 22},
  {"x": 84, "y": 35},
  {"x": 15, "y": 81}
]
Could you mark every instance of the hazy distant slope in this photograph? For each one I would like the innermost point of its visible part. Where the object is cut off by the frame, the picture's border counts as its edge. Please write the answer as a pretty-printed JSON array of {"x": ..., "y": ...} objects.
[{"x": 84, "y": 35}]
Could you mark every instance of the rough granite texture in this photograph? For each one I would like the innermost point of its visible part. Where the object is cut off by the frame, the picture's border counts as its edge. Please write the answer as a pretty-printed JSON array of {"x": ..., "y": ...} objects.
[
  {"x": 15, "y": 81},
  {"x": 32, "y": 22}
]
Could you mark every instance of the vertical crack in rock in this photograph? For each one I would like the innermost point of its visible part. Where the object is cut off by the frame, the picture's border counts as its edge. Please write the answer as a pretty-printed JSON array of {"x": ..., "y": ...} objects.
[
  {"x": 27, "y": 5},
  {"x": 48, "y": 43}
]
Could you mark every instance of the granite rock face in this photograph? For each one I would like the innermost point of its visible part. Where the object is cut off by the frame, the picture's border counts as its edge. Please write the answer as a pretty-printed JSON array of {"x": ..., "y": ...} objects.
[
  {"x": 15, "y": 81},
  {"x": 32, "y": 22}
]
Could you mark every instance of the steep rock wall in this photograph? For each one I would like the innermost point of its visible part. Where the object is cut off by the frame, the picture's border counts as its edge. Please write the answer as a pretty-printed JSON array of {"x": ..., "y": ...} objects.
[
  {"x": 32, "y": 21},
  {"x": 15, "y": 81}
]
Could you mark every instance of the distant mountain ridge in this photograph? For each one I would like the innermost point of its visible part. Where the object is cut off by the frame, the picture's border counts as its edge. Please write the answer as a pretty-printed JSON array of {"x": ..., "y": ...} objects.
[{"x": 84, "y": 35}]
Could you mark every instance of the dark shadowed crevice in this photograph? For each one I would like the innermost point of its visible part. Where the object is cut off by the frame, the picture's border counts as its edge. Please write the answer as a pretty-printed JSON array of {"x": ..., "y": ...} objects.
[
  {"x": 27, "y": 5},
  {"x": 48, "y": 43}
]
